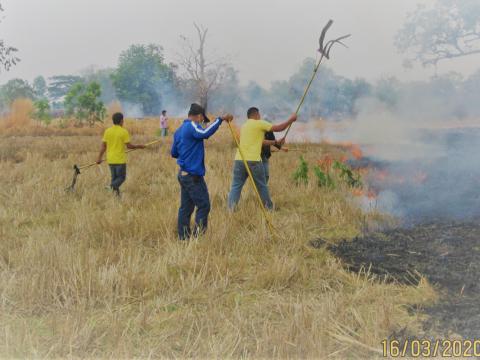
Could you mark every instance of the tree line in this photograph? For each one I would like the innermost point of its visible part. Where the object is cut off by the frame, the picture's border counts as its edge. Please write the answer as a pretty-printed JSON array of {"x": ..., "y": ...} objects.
[{"x": 145, "y": 80}]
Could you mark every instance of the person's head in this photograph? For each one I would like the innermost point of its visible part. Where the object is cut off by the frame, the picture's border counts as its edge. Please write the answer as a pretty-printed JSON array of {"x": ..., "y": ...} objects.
[
  {"x": 164, "y": 112},
  {"x": 197, "y": 114},
  {"x": 253, "y": 113},
  {"x": 117, "y": 119}
]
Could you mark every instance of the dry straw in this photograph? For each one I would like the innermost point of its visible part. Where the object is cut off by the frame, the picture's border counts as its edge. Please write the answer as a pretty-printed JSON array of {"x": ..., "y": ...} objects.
[{"x": 84, "y": 275}]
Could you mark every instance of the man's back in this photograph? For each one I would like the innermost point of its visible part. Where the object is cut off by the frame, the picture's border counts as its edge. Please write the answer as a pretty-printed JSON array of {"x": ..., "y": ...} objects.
[
  {"x": 252, "y": 134},
  {"x": 188, "y": 146},
  {"x": 116, "y": 137}
]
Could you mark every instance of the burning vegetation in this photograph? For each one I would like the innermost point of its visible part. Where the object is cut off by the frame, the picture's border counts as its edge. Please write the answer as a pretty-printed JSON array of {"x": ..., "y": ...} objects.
[{"x": 435, "y": 196}]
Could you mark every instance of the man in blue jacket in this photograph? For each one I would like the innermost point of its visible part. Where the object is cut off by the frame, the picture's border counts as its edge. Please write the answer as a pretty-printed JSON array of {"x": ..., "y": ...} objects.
[{"x": 189, "y": 151}]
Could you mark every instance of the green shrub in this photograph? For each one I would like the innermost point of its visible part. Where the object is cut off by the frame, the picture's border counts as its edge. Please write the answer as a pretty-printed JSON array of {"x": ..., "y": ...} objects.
[
  {"x": 300, "y": 176},
  {"x": 346, "y": 174},
  {"x": 323, "y": 179},
  {"x": 42, "y": 111}
]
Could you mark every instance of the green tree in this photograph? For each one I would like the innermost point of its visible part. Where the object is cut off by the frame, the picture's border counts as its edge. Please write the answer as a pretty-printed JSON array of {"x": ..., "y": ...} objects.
[
  {"x": 352, "y": 91},
  {"x": 104, "y": 78},
  {"x": 40, "y": 87},
  {"x": 42, "y": 111},
  {"x": 448, "y": 30},
  {"x": 143, "y": 77},
  {"x": 84, "y": 104},
  {"x": 60, "y": 85},
  {"x": 15, "y": 89}
]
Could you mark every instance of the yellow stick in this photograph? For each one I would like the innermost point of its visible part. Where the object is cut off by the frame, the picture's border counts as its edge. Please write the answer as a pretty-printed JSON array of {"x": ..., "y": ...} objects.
[
  {"x": 315, "y": 70},
  {"x": 128, "y": 151},
  {"x": 250, "y": 176}
]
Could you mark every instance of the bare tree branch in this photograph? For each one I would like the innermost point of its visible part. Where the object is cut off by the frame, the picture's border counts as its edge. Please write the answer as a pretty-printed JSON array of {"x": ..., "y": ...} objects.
[
  {"x": 7, "y": 53},
  {"x": 204, "y": 74},
  {"x": 451, "y": 29}
]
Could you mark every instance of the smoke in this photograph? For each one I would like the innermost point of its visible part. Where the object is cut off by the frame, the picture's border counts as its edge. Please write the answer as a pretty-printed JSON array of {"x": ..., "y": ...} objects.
[
  {"x": 425, "y": 163},
  {"x": 168, "y": 97},
  {"x": 389, "y": 136},
  {"x": 132, "y": 110},
  {"x": 387, "y": 201}
]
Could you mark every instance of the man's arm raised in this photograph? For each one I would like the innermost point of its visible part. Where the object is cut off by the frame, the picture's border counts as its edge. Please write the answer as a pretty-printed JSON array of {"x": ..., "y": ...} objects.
[
  {"x": 211, "y": 129},
  {"x": 284, "y": 125}
]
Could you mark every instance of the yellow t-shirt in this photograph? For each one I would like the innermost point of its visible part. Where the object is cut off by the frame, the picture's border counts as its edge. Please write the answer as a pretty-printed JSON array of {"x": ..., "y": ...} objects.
[
  {"x": 252, "y": 134},
  {"x": 116, "y": 137}
]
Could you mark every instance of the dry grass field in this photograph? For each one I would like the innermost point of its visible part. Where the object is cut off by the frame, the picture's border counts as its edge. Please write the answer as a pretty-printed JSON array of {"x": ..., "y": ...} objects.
[{"x": 85, "y": 275}]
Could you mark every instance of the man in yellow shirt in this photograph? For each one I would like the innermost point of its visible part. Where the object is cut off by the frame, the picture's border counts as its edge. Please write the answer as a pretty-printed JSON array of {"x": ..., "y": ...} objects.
[
  {"x": 252, "y": 136},
  {"x": 115, "y": 140}
]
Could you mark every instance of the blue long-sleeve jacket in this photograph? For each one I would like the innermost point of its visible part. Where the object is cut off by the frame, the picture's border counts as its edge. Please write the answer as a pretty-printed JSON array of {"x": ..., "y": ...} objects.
[{"x": 188, "y": 146}]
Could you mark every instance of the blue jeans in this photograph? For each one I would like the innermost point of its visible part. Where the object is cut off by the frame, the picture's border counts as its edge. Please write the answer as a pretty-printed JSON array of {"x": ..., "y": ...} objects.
[
  {"x": 240, "y": 175},
  {"x": 194, "y": 193},
  {"x": 164, "y": 132},
  {"x": 119, "y": 174}
]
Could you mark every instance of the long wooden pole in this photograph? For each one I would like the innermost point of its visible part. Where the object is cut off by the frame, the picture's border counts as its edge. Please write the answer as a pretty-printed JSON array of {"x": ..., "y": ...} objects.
[
  {"x": 250, "y": 176},
  {"x": 309, "y": 84},
  {"x": 128, "y": 151}
]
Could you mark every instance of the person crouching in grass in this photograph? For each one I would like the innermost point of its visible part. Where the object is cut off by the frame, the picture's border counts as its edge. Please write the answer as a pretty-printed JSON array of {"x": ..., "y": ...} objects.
[
  {"x": 115, "y": 140},
  {"x": 252, "y": 134}
]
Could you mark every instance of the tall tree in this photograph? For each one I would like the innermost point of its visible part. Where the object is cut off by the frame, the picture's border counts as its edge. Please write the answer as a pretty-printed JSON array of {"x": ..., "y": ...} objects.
[
  {"x": 60, "y": 85},
  {"x": 450, "y": 29},
  {"x": 143, "y": 78},
  {"x": 8, "y": 56},
  {"x": 104, "y": 78},
  {"x": 15, "y": 89},
  {"x": 202, "y": 73},
  {"x": 42, "y": 111},
  {"x": 83, "y": 102},
  {"x": 40, "y": 87}
]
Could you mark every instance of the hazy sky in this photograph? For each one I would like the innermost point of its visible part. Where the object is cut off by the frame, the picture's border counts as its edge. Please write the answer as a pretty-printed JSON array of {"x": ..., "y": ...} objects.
[{"x": 265, "y": 39}]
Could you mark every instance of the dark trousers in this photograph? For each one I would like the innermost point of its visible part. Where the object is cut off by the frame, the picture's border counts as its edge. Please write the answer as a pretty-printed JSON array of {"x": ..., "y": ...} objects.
[
  {"x": 194, "y": 193},
  {"x": 266, "y": 168},
  {"x": 119, "y": 174}
]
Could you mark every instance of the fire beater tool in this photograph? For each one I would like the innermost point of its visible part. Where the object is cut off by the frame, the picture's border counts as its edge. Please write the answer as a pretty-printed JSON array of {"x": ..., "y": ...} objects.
[
  {"x": 324, "y": 49},
  {"x": 250, "y": 176},
  {"x": 77, "y": 169}
]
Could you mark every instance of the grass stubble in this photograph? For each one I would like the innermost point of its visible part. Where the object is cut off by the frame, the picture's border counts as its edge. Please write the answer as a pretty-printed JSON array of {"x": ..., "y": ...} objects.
[{"x": 86, "y": 275}]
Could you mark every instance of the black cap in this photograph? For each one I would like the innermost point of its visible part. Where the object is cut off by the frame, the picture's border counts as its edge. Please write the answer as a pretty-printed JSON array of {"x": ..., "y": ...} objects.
[{"x": 196, "y": 109}]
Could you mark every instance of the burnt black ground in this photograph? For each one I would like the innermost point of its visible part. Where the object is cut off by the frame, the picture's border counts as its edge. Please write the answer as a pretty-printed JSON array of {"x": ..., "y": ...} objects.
[{"x": 447, "y": 254}]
